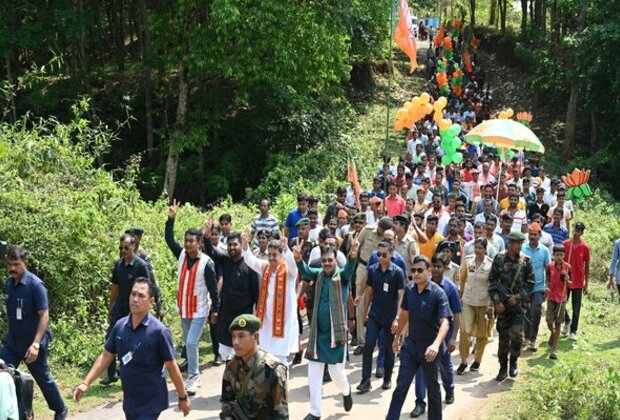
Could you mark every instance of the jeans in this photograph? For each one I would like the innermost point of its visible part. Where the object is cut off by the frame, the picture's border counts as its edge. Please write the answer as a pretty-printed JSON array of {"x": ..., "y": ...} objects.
[
  {"x": 40, "y": 372},
  {"x": 381, "y": 355},
  {"x": 446, "y": 370},
  {"x": 575, "y": 296},
  {"x": 373, "y": 328},
  {"x": 192, "y": 331},
  {"x": 535, "y": 313},
  {"x": 412, "y": 362}
]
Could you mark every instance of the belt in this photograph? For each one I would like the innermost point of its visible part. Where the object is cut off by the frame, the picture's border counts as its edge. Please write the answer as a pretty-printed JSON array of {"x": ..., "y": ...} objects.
[{"x": 363, "y": 262}]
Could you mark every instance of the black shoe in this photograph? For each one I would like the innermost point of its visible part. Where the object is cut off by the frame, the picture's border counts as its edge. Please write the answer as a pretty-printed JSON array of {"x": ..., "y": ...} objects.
[
  {"x": 358, "y": 350},
  {"x": 475, "y": 367},
  {"x": 217, "y": 361},
  {"x": 109, "y": 380},
  {"x": 311, "y": 417},
  {"x": 62, "y": 415},
  {"x": 387, "y": 384},
  {"x": 380, "y": 373},
  {"x": 418, "y": 411},
  {"x": 296, "y": 359},
  {"x": 183, "y": 366},
  {"x": 514, "y": 371},
  {"x": 347, "y": 400},
  {"x": 461, "y": 369},
  {"x": 364, "y": 386},
  {"x": 503, "y": 372},
  {"x": 353, "y": 342},
  {"x": 450, "y": 396}
]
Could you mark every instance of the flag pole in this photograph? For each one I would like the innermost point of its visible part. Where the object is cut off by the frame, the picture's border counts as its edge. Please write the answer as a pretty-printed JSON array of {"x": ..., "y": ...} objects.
[{"x": 386, "y": 158}]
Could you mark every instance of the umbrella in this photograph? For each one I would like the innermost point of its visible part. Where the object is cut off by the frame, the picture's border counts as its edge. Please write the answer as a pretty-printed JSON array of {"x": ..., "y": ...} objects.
[{"x": 505, "y": 134}]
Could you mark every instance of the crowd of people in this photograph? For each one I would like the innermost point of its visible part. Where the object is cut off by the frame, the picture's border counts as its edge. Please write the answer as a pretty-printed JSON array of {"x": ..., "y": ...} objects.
[{"x": 429, "y": 259}]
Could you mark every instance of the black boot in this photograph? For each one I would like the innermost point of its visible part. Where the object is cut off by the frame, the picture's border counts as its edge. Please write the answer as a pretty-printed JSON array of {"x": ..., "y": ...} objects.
[
  {"x": 514, "y": 371},
  {"x": 503, "y": 370}
]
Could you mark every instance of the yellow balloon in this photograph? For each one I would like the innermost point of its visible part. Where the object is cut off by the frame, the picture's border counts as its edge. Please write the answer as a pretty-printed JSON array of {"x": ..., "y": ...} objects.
[
  {"x": 424, "y": 98},
  {"x": 401, "y": 114},
  {"x": 416, "y": 102},
  {"x": 437, "y": 117},
  {"x": 509, "y": 113},
  {"x": 438, "y": 107},
  {"x": 443, "y": 100},
  {"x": 428, "y": 108},
  {"x": 503, "y": 115},
  {"x": 408, "y": 105},
  {"x": 444, "y": 124}
]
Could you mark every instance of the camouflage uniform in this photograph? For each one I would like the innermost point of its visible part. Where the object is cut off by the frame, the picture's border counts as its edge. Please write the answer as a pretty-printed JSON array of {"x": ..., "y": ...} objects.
[
  {"x": 266, "y": 393},
  {"x": 517, "y": 276}
]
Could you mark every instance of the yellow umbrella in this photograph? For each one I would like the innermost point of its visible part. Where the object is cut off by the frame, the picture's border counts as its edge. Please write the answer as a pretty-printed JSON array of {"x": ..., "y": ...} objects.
[{"x": 505, "y": 134}]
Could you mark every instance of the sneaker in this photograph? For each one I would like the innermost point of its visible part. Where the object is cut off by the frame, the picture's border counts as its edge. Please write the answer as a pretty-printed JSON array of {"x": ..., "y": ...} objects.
[
  {"x": 461, "y": 369},
  {"x": 358, "y": 350},
  {"x": 217, "y": 361},
  {"x": 61, "y": 415},
  {"x": 564, "y": 329},
  {"x": 573, "y": 336},
  {"x": 109, "y": 380},
  {"x": 353, "y": 342},
  {"x": 192, "y": 384},
  {"x": 553, "y": 355},
  {"x": 475, "y": 367},
  {"x": 533, "y": 346}
]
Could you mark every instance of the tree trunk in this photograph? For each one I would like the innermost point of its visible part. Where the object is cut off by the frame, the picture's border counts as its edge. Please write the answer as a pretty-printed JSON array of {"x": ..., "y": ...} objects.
[
  {"x": 593, "y": 131},
  {"x": 502, "y": 15},
  {"x": 555, "y": 22},
  {"x": 538, "y": 10},
  {"x": 571, "y": 120},
  {"x": 472, "y": 9},
  {"x": 543, "y": 18},
  {"x": 172, "y": 162},
  {"x": 524, "y": 19},
  {"x": 145, "y": 39},
  {"x": 493, "y": 14}
]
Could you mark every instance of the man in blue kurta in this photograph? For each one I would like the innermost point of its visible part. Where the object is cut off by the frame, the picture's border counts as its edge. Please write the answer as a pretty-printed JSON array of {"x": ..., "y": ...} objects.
[{"x": 328, "y": 327}]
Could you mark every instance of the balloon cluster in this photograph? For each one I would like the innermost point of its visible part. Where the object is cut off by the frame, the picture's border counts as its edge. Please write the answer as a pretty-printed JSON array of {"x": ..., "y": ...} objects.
[
  {"x": 448, "y": 133},
  {"x": 457, "y": 82},
  {"x": 441, "y": 77},
  {"x": 447, "y": 48},
  {"x": 506, "y": 114},
  {"x": 413, "y": 111},
  {"x": 524, "y": 118}
]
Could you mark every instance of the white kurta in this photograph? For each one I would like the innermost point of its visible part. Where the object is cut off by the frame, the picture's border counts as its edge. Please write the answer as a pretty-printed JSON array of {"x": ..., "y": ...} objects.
[{"x": 278, "y": 346}]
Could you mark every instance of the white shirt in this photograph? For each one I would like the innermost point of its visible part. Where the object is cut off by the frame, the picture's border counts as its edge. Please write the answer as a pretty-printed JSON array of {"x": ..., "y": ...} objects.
[{"x": 315, "y": 254}]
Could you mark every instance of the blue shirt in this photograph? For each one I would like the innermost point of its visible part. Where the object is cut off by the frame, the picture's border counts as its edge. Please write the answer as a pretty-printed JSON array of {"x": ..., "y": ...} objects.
[
  {"x": 144, "y": 383},
  {"x": 396, "y": 259},
  {"x": 123, "y": 275},
  {"x": 559, "y": 235},
  {"x": 454, "y": 301},
  {"x": 385, "y": 286},
  {"x": 540, "y": 258},
  {"x": 30, "y": 295},
  {"x": 291, "y": 222},
  {"x": 425, "y": 312},
  {"x": 614, "y": 267}
]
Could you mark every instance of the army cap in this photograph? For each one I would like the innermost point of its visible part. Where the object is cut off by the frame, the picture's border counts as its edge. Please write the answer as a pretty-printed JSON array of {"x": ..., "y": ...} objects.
[
  {"x": 135, "y": 230},
  {"x": 403, "y": 219},
  {"x": 246, "y": 322},
  {"x": 304, "y": 221},
  {"x": 360, "y": 217},
  {"x": 516, "y": 236},
  {"x": 446, "y": 245}
]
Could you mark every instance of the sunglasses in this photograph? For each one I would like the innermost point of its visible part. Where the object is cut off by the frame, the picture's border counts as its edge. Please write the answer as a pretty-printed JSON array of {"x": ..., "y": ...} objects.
[
  {"x": 124, "y": 247},
  {"x": 382, "y": 254},
  {"x": 418, "y": 270}
]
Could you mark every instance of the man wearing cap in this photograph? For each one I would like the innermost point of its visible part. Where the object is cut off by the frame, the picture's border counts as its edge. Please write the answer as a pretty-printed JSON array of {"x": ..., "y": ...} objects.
[
  {"x": 374, "y": 213},
  {"x": 368, "y": 240},
  {"x": 450, "y": 249},
  {"x": 377, "y": 191},
  {"x": 514, "y": 271},
  {"x": 577, "y": 254},
  {"x": 540, "y": 256},
  {"x": 254, "y": 381}
]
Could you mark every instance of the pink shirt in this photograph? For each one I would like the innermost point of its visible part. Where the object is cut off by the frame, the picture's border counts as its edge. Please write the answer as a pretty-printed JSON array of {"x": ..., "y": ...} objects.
[
  {"x": 579, "y": 256},
  {"x": 394, "y": 206}
]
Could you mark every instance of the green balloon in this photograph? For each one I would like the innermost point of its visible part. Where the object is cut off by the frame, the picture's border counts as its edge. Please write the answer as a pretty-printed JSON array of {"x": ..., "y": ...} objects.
[
  {"x": 457, "y": 157},
  {"x": 456, "y": 143},
  {"x": 445, "y": 160},
  {"x": 449, "y": 55}
]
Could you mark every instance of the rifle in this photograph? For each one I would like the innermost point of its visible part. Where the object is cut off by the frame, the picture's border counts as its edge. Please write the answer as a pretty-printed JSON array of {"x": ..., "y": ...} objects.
[
  {"x": 503, "y": 294},
  {"x": 233, "y": 411}
]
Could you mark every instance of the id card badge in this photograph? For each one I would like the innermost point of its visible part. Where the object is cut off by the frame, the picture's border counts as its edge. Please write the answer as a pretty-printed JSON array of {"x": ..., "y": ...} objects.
[
  {"x": 18, "y": 314},
  {"x": 386, "y": 287},
  {"x": 127, "y": 358}
]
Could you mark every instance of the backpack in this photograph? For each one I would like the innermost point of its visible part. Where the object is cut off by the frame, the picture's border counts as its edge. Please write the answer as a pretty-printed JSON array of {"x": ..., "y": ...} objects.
[{"x": 24, "y": 389}]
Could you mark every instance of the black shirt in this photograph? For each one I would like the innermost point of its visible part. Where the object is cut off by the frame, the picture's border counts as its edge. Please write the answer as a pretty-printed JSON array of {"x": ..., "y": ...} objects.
[
  {"x": 239, "y": 292},
  {"x": 123, "y": 275},
  {"x": 385, "y": 286}
]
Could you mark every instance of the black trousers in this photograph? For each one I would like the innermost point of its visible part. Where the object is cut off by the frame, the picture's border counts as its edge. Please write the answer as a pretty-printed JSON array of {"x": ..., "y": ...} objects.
[{"x": 575, "y": 296}]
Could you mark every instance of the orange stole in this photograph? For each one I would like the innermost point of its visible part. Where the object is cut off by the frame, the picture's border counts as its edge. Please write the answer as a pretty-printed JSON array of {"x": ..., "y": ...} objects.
[
  {"x": 279, "y": 304},
  {"x": 191, "y": 303}
]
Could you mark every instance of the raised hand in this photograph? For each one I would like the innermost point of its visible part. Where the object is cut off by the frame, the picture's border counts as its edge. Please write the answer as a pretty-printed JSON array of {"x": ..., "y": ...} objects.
[
  {"x": 297, "y": 250},
  {"x": 173, "y": 209},
  {"x": 283, "y": 241},
  {"x": 208, "y": 224},
  {"x": 245, "y": 239}
]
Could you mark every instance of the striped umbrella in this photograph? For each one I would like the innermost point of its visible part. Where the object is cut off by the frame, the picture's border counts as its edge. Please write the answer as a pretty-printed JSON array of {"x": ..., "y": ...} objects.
[{"x": 505, "y": 134}]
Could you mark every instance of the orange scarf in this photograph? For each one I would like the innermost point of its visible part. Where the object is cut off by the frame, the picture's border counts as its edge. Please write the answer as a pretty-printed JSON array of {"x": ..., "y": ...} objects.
[
  {"x": 186, "y": 290},
  {"x": 279, "y": 304}
]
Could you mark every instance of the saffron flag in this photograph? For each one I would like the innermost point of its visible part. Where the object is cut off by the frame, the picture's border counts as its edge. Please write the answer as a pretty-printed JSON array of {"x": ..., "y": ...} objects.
[
  {"x": 404, "y": 35},
  {"x": 352, "y": 177},
  {"x": 439, "y": 37}
]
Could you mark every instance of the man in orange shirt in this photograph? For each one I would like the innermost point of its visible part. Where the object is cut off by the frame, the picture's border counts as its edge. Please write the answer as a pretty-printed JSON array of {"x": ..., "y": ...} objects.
[{"x": 433, "y": 237}]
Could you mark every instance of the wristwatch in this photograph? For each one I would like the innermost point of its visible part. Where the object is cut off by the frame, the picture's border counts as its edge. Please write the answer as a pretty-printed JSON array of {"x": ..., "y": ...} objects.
[
  {"x": 183, "y": 398},
  {"x": 36, "y": 345}
]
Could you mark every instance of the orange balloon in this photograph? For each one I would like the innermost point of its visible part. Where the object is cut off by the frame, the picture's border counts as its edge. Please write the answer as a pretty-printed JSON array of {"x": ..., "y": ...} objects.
[
  {"x": 428, "y": 108},
  {"x": 502, "y": 115},
  {"x": 399, "y": 125},
  {"x": 401, "y": 114}
]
